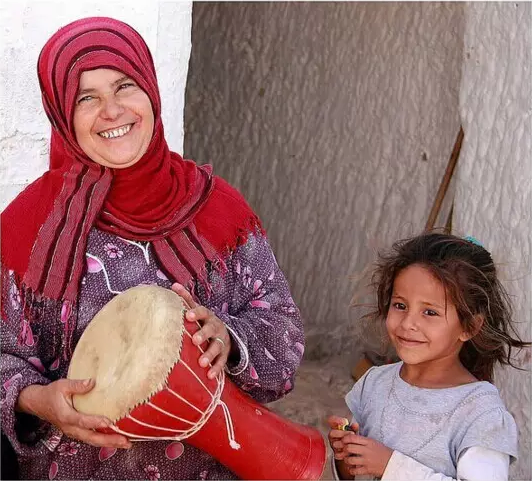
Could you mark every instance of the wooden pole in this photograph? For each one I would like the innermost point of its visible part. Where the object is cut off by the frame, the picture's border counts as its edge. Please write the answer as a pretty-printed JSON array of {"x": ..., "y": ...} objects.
[{"x": 438, "y": 201}]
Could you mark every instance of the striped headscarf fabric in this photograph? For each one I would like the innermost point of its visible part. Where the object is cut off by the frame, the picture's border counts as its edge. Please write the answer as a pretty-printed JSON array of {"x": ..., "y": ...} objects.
[{"x": 192, "y": 217}]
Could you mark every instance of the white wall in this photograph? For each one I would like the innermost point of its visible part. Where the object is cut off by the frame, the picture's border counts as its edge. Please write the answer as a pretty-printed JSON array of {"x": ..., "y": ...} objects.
[
  {"x": 321, "y": 113},
  {"x": 25, "y": 27},
  {"x": 494, "y": 177},
  {"x": 336, "y": 121}
]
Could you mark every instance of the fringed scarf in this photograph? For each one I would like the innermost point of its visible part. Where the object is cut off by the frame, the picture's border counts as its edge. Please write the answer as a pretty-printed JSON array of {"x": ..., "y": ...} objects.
[{"x": 192, "y": 218}]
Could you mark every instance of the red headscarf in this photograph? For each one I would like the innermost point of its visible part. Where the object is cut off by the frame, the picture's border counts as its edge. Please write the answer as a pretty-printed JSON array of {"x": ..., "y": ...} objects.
[{"x": 192, "y": 218}]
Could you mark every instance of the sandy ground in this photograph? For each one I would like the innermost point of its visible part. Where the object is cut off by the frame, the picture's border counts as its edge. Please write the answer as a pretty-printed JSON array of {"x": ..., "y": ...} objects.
[{"x": 319, "y": 392}]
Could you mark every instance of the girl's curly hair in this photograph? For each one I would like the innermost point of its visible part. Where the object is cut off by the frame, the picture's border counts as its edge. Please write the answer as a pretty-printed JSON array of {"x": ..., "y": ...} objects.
[{"x": 468, "y": 274}]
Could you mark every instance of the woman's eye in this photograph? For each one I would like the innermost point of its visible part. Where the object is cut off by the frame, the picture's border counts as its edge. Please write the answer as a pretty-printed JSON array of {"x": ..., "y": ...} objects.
[
  {"x": 399, "y": 305},
  {"x": 430, "y": 312},
  {"x": 126, "y": 85},
  {"x": 85, "y": 99}
]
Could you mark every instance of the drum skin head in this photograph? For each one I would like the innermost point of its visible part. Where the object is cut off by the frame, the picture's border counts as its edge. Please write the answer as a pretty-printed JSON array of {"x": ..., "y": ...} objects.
[{"x": 129, "y": 348}]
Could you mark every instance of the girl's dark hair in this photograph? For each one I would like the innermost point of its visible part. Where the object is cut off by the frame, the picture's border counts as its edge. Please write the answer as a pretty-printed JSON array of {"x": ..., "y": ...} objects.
[{"x": 468, "y": 274}]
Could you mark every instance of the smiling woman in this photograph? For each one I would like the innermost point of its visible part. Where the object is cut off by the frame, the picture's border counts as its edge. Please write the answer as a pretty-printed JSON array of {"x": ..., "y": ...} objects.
[
  {"x": 117, "y": 209},
  {"x": 113, "y": 118}
]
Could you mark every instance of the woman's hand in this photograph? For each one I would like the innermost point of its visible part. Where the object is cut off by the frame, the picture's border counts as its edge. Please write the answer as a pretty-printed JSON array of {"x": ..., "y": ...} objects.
[
  {"x": 365, "y": 455},
  {"x": 53, "y": 403},
  {"x": 211, "y": 328}
]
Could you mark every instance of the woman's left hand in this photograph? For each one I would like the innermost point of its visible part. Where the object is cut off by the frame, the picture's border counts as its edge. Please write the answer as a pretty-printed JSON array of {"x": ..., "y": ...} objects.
[{"x": 211, "y": 328}]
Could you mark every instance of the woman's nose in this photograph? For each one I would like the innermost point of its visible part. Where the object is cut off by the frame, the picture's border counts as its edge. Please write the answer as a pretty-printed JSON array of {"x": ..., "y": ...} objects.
[{"x": 111, "y": 109}]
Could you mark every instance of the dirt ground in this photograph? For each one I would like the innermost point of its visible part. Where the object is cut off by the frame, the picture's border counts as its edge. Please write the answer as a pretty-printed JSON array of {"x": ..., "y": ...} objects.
[{"x": 319, "y": 391}]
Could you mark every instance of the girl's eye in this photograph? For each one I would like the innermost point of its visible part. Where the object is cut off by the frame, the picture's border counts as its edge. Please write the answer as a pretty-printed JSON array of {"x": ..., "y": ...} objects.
[
  {"x": 399, "y": 306},
  {"x": 430, "y": 312}
]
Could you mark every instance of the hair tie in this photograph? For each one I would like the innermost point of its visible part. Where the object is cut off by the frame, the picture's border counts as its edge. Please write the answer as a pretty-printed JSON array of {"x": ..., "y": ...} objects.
[{"x": 472, "y": 240}]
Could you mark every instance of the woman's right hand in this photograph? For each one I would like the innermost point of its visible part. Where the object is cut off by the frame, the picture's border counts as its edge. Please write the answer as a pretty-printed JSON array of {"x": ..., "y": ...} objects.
[{"x": 53, "y": 403}]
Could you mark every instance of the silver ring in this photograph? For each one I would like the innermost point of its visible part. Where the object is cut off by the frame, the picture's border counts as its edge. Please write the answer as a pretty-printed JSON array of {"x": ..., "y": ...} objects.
[{"x": 220, "y": 340}]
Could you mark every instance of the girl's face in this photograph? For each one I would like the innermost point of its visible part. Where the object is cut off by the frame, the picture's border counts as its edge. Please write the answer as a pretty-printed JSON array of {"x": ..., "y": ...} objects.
[
  {"x": 113, "y": 118},
  {"x": 422, "y": 324}
]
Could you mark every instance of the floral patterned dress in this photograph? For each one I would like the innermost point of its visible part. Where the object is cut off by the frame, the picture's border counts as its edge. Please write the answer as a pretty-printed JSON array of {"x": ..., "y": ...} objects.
[{"x": 253, "y": 300}]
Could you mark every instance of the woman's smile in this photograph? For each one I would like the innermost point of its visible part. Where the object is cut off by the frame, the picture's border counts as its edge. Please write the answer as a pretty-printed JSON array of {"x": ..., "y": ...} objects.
[
  {"x": 117, "y": 132},
  {"x": 113, "y": 118}
]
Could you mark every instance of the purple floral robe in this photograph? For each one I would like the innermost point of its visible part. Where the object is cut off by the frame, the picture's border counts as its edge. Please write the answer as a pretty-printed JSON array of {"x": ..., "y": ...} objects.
[{"x": 253, "y": 300}]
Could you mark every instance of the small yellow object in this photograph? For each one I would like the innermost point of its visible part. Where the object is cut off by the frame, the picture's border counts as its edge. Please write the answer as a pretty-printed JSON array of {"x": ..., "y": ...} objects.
[{"x": 344, "y": 426}]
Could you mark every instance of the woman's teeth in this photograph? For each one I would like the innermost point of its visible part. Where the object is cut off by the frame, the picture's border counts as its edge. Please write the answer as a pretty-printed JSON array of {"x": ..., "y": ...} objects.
[{"x": 113, "y": 134}]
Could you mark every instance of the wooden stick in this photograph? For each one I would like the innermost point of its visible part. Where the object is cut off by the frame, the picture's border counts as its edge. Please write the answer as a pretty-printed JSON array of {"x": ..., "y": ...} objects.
[{"x": 445, "y": 182}]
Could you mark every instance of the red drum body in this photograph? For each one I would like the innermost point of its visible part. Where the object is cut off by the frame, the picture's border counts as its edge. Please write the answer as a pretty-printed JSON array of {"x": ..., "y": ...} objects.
[{"x": 214, "y": 416}]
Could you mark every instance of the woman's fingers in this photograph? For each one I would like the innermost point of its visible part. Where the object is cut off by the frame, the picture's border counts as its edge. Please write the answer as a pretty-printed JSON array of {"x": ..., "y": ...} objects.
[
  {"x": 56, "y": 398},
  {"x": 215, "y": 348},
  {"x": 220, "y": 362},
  {"x": 98, "y": 439},
  {"x": 219, "y": 347},
  {"x": 212, "y": 329},
  {"x": 211, "y": 325},
  {"x": 85, "y": 421},
  {"x": 216, "y": 355},
  {"x": 180, "y": 290},
  {"x": 75, "y": 386}
]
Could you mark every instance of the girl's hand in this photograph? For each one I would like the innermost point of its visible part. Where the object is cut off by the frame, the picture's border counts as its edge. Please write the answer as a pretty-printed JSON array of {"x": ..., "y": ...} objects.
[
  {"x": 212, "y": 328},
  {"x": 336, "y": 435},
  {"x": 53, "y": 403},
  {"x": 365, "y": 455}
]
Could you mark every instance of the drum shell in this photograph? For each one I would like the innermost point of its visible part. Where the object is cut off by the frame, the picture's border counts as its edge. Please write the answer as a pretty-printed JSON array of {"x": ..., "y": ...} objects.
[{"x": 271, "y": 447}]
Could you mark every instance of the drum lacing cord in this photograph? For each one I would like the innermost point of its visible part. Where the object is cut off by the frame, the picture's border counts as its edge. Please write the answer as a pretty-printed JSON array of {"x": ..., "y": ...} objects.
[
  {"x": 205, "y": 415},
  {"x": 217, "y": 401},
  {"x": 227, "y": 415}
]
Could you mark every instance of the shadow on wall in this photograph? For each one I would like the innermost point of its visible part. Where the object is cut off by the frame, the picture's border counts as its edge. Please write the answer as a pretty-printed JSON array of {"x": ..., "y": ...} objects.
[{"x": 336, "y": 121}]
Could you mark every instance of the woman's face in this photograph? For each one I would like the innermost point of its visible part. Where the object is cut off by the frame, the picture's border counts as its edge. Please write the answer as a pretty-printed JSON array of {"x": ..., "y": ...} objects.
[{"x": 113, "y": 118}]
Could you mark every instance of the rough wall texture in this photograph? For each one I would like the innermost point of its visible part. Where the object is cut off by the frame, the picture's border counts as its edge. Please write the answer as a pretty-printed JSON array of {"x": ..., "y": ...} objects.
[
  {"x": 336, "y": 121},
  {"x": 25, "y": 27},
  {"x": 494, "y": 178}
]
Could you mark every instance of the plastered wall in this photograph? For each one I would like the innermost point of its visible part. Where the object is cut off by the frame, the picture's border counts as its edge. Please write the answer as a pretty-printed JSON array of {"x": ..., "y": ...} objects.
[
  {"x": 336, "y": 121},
  {"x": 494, "y": 177}
]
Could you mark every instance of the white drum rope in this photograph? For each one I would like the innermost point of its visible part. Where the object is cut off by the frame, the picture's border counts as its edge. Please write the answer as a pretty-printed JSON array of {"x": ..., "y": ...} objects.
[{"x": 205, "y": 415}]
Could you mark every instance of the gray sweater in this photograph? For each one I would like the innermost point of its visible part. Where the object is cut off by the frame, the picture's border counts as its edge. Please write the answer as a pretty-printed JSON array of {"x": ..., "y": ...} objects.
[{"x": 432, "y": 426}]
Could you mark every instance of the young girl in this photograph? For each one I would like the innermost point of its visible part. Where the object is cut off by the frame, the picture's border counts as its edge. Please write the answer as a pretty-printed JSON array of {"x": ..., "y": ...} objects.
[{"x": 435, "y": 414}]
